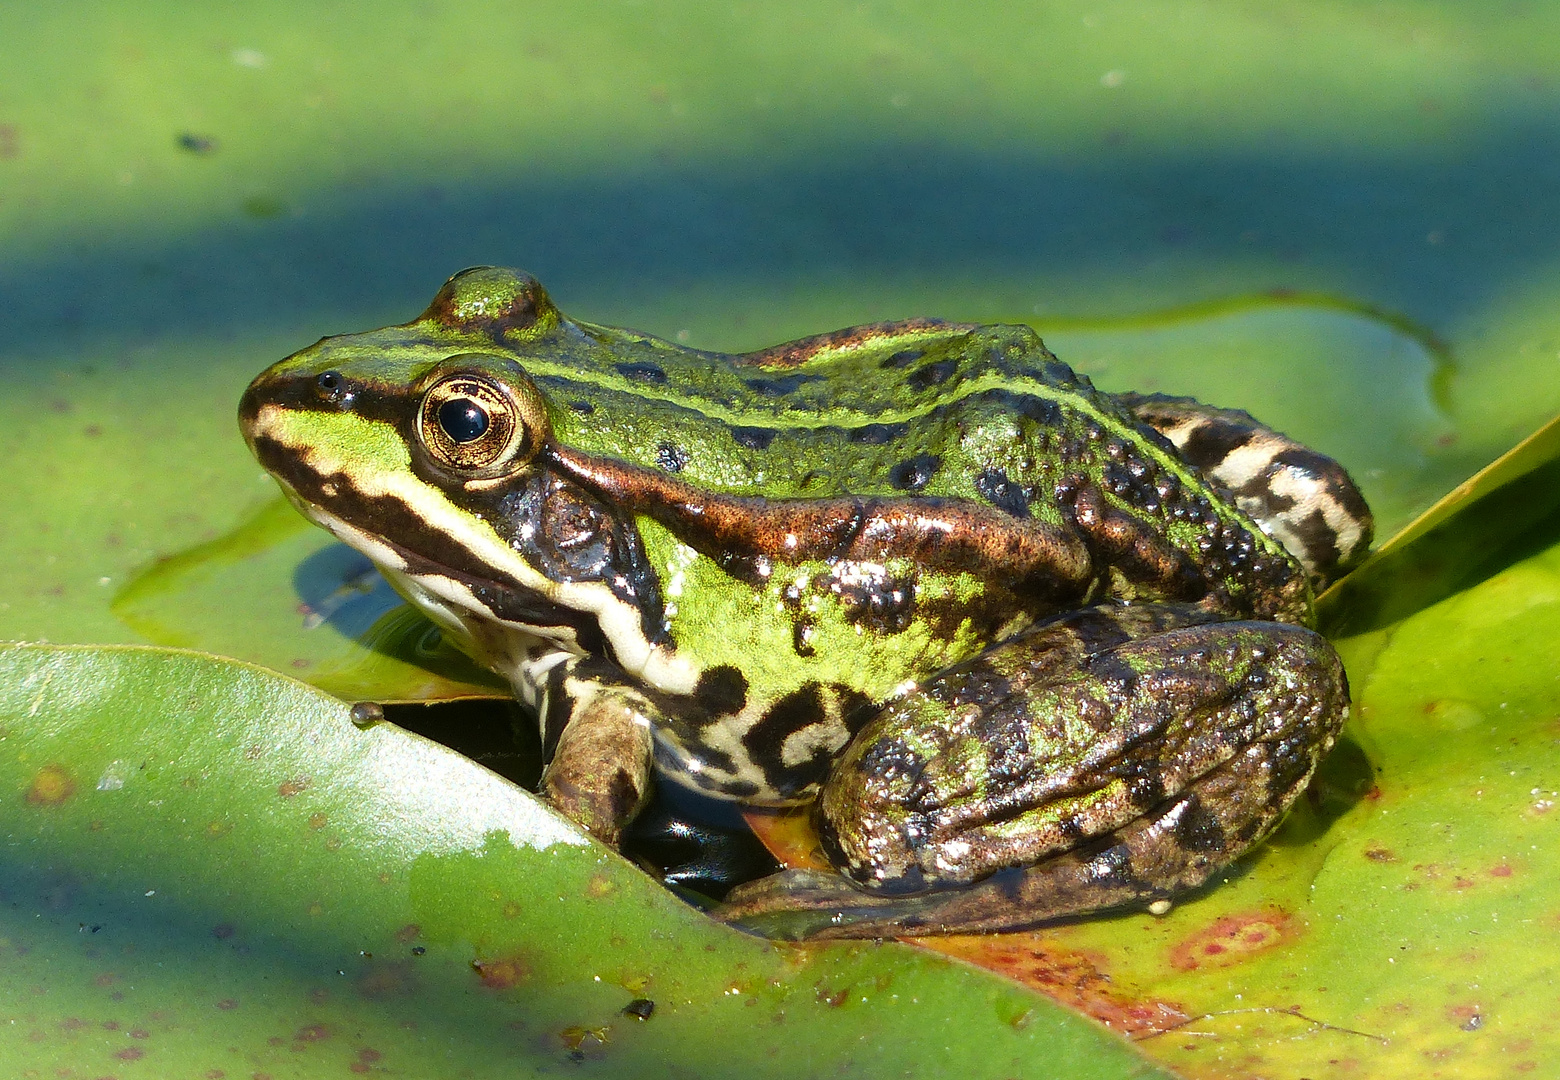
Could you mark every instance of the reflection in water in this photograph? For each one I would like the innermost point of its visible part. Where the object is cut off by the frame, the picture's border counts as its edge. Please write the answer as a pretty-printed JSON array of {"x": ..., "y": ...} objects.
[{"x": 340, "y": 586}]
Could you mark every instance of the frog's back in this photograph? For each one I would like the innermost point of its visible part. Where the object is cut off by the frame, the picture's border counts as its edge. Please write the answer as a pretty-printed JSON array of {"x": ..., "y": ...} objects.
[
  {"x": 983, "y": 416},
  {"x": 921, "y": 407}
]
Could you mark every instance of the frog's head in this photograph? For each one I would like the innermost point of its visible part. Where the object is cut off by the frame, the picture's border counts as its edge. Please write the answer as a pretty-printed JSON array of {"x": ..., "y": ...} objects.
[
  {"x": 423, "y": 446},
  {"x": 410, "y": 413}
]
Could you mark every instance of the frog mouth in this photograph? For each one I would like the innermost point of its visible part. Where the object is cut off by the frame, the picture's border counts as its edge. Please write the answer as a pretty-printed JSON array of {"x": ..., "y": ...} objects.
[{"x": 452, "y": 595}]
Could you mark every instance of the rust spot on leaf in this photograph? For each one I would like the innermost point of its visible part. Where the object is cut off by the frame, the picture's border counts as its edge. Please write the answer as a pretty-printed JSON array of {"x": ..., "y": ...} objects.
[
  {"x": 1072, "y": 977},
  {"x": 313, "y": 1033},
  {"x": 1380, "y": 854},
  {"x": 130, "y": 1053},
  {"x": 1231, "y": 939},
  {"x": 1500, "y": 870},
  {"x": 832, "y": 998},
  {"x": 51, "y": 786},
  {"x": 289, "y": 788},
  {"x": 387, "y": 979},
  {"x": 502, "y": 973}
]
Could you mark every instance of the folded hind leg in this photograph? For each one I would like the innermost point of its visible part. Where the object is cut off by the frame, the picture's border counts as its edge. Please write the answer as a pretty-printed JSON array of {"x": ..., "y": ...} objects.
[
  {"x": 1303, "y": 499},
  {"x": 1115, "y": 756}
]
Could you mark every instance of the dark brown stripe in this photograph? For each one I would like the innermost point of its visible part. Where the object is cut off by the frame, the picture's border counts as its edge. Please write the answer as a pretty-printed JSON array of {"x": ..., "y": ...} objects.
[{"x": 941, "y": 534}]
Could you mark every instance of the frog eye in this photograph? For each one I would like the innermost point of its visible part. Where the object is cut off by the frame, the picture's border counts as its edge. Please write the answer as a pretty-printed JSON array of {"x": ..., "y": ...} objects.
[
  {"x": 463, "y": 419},
  {"x": 472, "y": 423}
]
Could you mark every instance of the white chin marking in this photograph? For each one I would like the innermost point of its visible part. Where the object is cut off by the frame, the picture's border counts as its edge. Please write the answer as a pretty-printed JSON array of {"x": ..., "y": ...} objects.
[{"x": 381, "y": 553}]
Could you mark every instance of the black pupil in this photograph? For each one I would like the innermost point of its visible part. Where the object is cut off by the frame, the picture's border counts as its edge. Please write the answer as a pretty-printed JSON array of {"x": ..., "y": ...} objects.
[
  {"x": 463, "y": 419},
  {"x": 330, "y": 381}
]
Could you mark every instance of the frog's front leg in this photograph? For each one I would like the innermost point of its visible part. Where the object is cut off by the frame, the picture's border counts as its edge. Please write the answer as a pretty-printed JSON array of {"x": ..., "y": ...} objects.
[
  {"x": 599, "y": 774},
  {"x": 1115, "y": 756}
]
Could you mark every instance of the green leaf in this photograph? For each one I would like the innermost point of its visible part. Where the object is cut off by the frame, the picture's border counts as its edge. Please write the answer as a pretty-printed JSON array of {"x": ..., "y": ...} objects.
[
  {"x": 207, "y": 866},
  {"x": 1506, "y": 508}
]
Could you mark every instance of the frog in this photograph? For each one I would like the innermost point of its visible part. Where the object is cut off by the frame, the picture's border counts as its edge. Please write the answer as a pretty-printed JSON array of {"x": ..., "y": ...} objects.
[{"x": 1025, "y": 650}]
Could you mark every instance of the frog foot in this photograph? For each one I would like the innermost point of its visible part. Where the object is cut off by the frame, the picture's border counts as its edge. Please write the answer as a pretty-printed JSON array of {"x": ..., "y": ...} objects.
[{"x": 1141, "y": 864}]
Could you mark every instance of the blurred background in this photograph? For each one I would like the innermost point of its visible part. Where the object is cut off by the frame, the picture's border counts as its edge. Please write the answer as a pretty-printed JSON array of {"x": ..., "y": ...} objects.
[{"x": 1344, "y": 217}]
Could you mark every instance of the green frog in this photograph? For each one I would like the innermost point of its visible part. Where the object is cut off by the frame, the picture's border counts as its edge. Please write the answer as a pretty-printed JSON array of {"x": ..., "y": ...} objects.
[{"x": 1030, "y": 650}]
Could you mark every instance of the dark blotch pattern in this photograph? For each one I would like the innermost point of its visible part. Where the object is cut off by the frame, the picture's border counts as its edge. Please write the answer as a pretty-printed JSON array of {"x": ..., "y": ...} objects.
[
  {"x": 754, "y": 438},
  {"x": 1198, "y": 828},
  {"x": 671, "y": 457},
  {"x": 642, "y": 371},
  {"x": 902, "y": 358},
  {"x": 929, "y": 375},
  {"x": 994, "y": 486},
  {"x": 765, "y": 740},
  {"x": 722, "y": 690},
  {"x": 622, "y": 795},
  {"x": 915, "y": 473},
  {"x": 877, "y": 434},
  {"x": 1211, "y": 443},
  {"x": 781, "y": 386}
]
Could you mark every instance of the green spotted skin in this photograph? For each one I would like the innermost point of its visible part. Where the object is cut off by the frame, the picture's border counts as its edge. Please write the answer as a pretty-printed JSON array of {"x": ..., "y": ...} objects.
[{"x": 736, "y": 572}]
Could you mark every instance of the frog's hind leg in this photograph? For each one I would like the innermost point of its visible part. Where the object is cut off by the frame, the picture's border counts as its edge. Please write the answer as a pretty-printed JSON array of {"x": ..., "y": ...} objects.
[
  {"x": 1112, "y": 757},
  {"x": 1146, "y": 862},
  {"x": 1303, "y": 499}
]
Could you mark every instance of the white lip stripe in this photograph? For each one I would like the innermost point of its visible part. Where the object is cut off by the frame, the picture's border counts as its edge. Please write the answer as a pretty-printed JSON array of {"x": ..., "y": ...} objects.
[{"x": 619, "y": 622}]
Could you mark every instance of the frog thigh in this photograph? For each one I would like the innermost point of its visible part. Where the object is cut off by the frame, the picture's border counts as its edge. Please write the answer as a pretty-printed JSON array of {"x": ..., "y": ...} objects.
[
  {"x": 1303, "y": 499},
  {"x": 1114, "y": 755}
]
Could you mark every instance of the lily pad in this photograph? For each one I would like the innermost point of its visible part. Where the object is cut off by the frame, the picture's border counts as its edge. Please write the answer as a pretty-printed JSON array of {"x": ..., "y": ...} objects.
[
  {"x": 1479, "y": 526},
  {"x": 208, "y": 868}
]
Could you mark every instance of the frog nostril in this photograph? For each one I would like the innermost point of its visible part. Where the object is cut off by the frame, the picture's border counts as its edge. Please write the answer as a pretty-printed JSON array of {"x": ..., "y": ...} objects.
[
  {"x": 463, "y": 420},
  {"x": 332, "y": 387}
]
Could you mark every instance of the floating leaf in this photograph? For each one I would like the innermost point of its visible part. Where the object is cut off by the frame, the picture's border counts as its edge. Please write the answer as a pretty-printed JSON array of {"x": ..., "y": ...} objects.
[
  {"x": 211, "y": 869},
  {"x": 1465, "y": 536}
]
